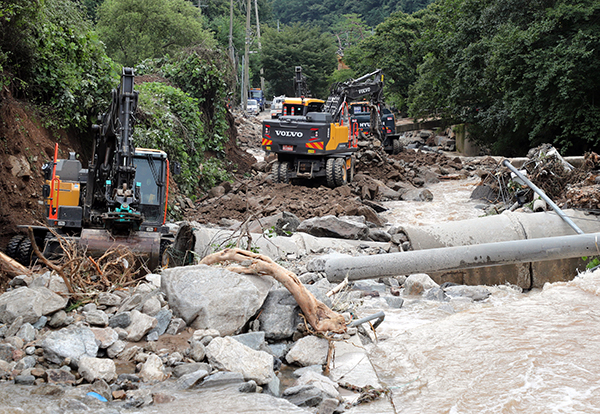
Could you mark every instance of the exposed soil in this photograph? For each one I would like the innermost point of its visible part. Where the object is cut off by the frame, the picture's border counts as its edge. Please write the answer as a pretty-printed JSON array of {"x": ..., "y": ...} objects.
[{"x": 25, "y": 145}]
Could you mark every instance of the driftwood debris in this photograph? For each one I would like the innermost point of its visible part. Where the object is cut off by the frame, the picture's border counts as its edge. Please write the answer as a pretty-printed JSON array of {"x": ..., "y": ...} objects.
[
  {"x": 318, "y": 315},
  {"x": 11, "y": 266}
]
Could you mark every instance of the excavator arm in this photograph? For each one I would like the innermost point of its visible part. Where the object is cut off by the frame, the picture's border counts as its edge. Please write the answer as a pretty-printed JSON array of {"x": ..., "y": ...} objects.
[{"x": 112, "y": 195}]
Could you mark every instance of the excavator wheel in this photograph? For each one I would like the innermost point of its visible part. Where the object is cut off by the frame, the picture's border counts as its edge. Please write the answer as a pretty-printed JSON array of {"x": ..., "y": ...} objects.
[
  {"x": 329, "y": 174},
  {"x": 275, "y": 171},
  {"x": 340, "y": 174},
  {"x": 13, "y": 246},
  {"x": 396, "y": 147},
  {"x": 25, "y": 252},
  {"x": 284, "y": 167}
]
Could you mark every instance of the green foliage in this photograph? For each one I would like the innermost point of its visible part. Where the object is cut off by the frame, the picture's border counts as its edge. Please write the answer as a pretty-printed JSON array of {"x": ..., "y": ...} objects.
[
  {"x": 518, "y": 73},
  {"x": 135, "y": 30},
  {"x": 169, "y": 119},
  {"x": 391, "y": 49},
  {"x": 298, "y": 45},
  {"x": 50, "y": 55},
  {"x": 325, "y": 13},
  {"x": 188, "y": 119}
]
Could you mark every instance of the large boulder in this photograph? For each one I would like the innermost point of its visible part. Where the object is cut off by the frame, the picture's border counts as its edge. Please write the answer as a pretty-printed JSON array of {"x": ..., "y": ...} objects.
[
  {"x": 72, "y": 342},
  {"x": 280, "y": 315},
  {"x": 332, "y": 226},
  {"x": 227, "y": 354},
  {"x": 307, "y": 351},
  {"x": 30, "y": 303},
  {"x": 206, "y": 297}
]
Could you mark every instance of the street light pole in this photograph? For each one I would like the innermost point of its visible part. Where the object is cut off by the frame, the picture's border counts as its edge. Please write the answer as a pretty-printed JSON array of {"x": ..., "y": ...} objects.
[{"x": 246, "y": 59}]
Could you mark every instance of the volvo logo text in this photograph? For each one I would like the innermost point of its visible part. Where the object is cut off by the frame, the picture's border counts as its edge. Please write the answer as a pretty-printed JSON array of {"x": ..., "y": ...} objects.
[
  {"x": 365, "y": 90},
  {"x": 297, "y": 134}
]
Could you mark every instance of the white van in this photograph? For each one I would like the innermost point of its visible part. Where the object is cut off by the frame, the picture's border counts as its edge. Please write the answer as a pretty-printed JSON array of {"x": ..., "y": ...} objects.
[
  {"x": 252, "y": 107},
  {"x": 277, "y": 106}
]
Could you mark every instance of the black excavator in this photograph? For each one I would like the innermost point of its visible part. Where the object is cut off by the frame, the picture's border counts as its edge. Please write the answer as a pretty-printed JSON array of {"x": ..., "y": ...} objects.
[{"x": 119, "y": 201}]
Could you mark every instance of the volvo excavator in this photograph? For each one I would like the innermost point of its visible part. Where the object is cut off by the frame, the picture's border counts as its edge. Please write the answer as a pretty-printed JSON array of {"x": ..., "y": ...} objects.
[
  {"x": 314, "y": 138},
  {"x": 120, "y": 200}
]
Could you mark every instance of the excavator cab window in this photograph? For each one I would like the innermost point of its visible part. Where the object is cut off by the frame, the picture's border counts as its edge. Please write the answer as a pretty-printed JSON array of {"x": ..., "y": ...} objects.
[{"x": 149, "y": 174}]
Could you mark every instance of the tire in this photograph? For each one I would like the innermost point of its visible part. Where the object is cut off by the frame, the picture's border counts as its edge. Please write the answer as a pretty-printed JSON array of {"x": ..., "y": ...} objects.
[
  {"x": 396, "y": 148},
  {"x": 340, "y": 173},
  {"x": 275, "y": 171},
  {"x": 164, "y": 254},
  {"x": 24, "y": 253},
  {"x": 13, "y": 246},
  {"x": 284, "y": 168},
  {"x": 329, "y": 172}
]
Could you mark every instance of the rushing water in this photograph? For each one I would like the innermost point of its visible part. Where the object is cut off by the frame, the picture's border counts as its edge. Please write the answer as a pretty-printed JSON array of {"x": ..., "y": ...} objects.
[{"x": 515, "y": 353}]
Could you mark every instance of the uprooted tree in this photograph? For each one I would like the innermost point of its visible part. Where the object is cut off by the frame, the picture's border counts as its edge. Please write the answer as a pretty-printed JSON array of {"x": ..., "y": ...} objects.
[{"x": 318, "y": 315}]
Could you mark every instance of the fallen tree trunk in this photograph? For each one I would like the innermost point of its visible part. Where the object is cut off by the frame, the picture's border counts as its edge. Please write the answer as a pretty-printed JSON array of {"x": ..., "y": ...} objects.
[
  {"x": 12, "y": 267},
  {"x": 318, "y": 315}
]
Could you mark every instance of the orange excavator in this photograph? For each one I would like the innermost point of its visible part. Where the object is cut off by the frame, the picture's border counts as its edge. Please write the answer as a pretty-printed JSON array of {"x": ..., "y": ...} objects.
[{"x": 119, "y": 201}]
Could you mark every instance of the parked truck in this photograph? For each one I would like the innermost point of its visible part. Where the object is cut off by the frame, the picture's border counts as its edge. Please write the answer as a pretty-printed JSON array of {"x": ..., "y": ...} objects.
[{"x": 259, "y": 96}]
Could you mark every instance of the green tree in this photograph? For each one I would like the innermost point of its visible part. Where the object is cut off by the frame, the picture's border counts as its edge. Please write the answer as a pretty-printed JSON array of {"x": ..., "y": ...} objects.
[
  {"x": 518, "y": 73},
  {"x": 51, "y": 56},
  {"x": 298, "y": 45},
  {"x": 134, "y": 30},
  {"x": 391, "y": 49}
]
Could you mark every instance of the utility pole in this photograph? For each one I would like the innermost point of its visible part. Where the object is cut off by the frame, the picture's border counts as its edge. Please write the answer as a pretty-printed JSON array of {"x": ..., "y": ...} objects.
[
  {"x": 246, "y": 59},
  {"x": 262, "y": 79}
]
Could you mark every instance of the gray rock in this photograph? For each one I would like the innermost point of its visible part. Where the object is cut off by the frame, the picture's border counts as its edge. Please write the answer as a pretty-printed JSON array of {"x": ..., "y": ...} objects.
[
  {"x": 131, "y": 303},
  {"x": 321, "y": 382},
  {"x": 189, "y": 380},
  {"x": 27, "y": 362},
  {"x": 58, "y": 320},
  {"x": 175, "y": 326},
  {"x": 6, "y": 352},
  {"x": 163, "y": 319},
  {"x": 89, "y": 307},
  {"x": 320, "y": 289},
  {"x": 115, "y": 349},
  {"x": 197, "y": 351},
  {"x": 273, "y": 387},
  {"x": 30, "y": 303},
  {"x": 332, "y": 226},
  {"x": 417, "y": 283},
  {"x": 206, "y": 297},
  {"x": 151, "y": 306},
  {"x": 184, "y": 369},
  {"x": 15, "y": 341},
  {"x": 394, "y": 302},
  {"x": 287, "y": 224},
  {"x": 248, "y": 387},
  {"x": 138, "y": 398},
  {"x": 476, "y": 293},
  {"x": 318, "y": 369},
  {"x": 253, "y": 340},
  {"x": 140, "y": 325},
  {"x": 92, "y": 369},
  {"x": 152, "y": 336},
  {"x": 317, "y": 264},
  {"x": 369, "y": 285},
  {"x": 304, "y": 395},
  {"x": 230, "y": 355},
  {"x": 223, "y": 378},
  {"x": 26, "y": 332},
  {"x": 417, "y": 195},
  {"x": 328, "y": 406},
  {"x": 436, "y": 293},
  {"x": 109, "y": 299},
  {"x": 309, "y": 350},
  {"x": 120, "y": 320},
  {"x": 14, "y": 327},
  {"x": 153, "y": 369},
  {"x": 280, "y": 315},
  {"x": 60, "y": 376},
  {"x": 105, "y": 336},
  {"x": 41, "y": 322},
  {"x": 379, "y": 235},
  {"x": 96, "y": 318},
  {"x": 24, "y": 379},
  {"x": 72, "y": 342}
]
